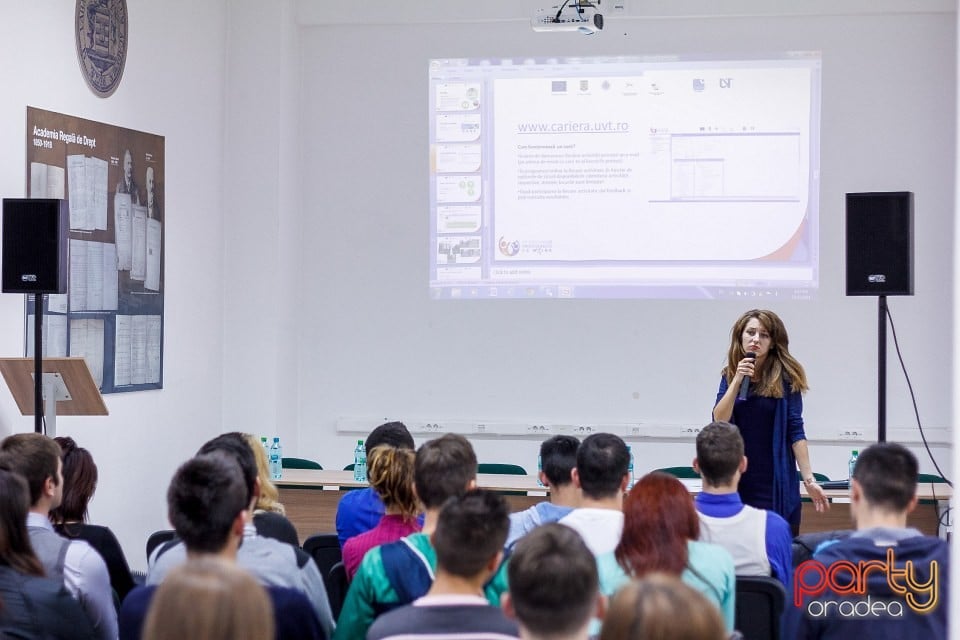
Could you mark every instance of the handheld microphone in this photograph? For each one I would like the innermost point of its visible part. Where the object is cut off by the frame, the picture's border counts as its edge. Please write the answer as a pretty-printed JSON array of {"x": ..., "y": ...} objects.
[{"x": 745, "y": 385}]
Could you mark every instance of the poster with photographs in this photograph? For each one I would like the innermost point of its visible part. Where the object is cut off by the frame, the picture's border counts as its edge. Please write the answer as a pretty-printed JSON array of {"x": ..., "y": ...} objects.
[{"x": 113, "y": 180}]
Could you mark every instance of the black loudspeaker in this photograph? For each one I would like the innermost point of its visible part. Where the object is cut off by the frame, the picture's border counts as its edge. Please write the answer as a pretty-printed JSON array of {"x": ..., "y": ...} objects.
[
  {"x": 880, "y": 244},
  {"x": 35, "y": 245}
]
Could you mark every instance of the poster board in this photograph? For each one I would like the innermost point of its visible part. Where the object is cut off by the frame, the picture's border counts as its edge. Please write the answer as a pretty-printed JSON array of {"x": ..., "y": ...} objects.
[{"x": 112, "y": 314}]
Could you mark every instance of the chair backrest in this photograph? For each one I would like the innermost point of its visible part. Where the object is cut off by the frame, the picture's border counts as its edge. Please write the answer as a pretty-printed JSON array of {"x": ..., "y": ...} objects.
[
  {"x": 680, "y": 472},
  {"x": 805, "y": 544},
  {"x": 299, "y": 463},
  {"x": 501, "y": 468},
  {"x": 931, "y": 478},
  {"x": 759, "y": 605},
  {"x": 324, "y": 548},
  {"x": 157, "y": 538},
  {"x": 337, "y": 585}
]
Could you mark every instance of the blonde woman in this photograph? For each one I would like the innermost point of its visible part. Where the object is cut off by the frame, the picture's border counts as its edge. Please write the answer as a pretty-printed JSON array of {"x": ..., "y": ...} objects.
[
  {"x": 269, "y": 499},
  {"x": 391, "y": 476}
]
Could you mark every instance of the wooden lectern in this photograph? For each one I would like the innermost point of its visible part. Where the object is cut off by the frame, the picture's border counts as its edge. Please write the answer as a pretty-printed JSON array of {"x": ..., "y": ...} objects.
[{"x": 68, "y": 388}]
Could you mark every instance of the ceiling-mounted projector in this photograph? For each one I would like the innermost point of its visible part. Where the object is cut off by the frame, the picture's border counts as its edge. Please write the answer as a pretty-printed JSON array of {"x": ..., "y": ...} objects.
[{"x": 580, "y": 15}]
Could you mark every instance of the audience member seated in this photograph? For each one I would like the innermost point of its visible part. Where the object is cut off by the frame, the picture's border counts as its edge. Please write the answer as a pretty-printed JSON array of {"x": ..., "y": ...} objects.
[
  {"x": 883, "y": 492},
  {"x": 398, "y": 573},
  {"x": 558, "y": 457},
  {"x": 759, "y": 541},
  {"x": 70, "y": 518},
  {"x": 661, "y": 607},
  {"x": 391, "y": 475},
  {"x": 210, "y": 599},
  {"x": 603, "y": 463},
  {"x": 468, "y": 541},
  {"x": 273, "y": 563},
  {"x": 660, "y": 534},
  {"x": 269, "y": 516},
  {"x": 37, "y": 458},
  {"x": 361, "y": 510},
  {"x": 34, "y": 606},
  {"x": 207, "y": 505},
  {"x": 554, "y": 589}
]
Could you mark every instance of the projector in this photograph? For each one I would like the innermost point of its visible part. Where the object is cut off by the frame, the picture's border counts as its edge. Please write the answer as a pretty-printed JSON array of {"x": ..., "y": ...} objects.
[{"x": 580, "y": 15}]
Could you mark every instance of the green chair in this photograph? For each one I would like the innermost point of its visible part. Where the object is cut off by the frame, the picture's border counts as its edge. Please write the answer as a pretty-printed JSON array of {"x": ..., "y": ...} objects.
[
  {"x": 349, "y": 467},
  {"x": 680, "y": 472},
  {"x": 299, "y": 463},
  {"x": 501, "y": 468},
  {"x": 929, "y": 478}
]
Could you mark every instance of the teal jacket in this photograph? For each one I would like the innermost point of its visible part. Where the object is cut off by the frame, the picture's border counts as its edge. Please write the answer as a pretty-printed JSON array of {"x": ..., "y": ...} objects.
[{"x": 371, "y": 592}]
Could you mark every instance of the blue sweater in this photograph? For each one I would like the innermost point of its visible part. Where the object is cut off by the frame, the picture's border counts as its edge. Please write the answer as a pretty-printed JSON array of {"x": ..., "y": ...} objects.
[
  {"x": 787, "y": 429},
  {"x": 833, "y": 616}
]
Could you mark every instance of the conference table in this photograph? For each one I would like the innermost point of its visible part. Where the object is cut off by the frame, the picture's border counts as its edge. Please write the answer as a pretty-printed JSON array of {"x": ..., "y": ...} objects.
[{"x": 310, "y": 497}]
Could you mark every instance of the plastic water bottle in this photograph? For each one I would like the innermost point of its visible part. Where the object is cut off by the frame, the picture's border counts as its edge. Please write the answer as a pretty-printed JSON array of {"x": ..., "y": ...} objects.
[
  {"x": 539, "y": 469},
  {"x": 853, "y": 462},
  {"x": 276, "y": 459},
  {"x": 630, "y": 468},
  {"x": 265, "y": 445},
  {"x": 360, "y": 463}
]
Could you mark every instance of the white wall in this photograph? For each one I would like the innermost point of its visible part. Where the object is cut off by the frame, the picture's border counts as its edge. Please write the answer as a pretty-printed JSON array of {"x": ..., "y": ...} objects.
[
  {"x": 373, "y": 345},
  {"x": 296, "y": 163},
  {"x": 172, "y": 86}
]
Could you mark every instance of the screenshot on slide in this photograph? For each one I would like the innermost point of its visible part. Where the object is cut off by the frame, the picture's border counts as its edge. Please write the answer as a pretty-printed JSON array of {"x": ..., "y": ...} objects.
[{"x": 624, "y": 177}]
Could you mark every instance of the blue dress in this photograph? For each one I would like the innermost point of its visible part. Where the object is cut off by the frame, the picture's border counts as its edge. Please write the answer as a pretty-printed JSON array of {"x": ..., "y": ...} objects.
[{"x": 769, "y": 427}]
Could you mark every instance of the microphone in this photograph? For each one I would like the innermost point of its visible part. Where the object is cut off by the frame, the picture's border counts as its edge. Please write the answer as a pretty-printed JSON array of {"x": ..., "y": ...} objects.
[{"x": 745, "y": 385}]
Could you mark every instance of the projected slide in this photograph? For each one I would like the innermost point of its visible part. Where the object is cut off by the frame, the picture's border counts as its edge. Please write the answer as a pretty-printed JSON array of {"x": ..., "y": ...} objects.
[{"x": 624, "y": 178}]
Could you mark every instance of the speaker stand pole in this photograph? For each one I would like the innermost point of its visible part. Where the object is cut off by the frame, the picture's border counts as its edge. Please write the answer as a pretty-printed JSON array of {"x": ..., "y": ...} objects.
[
  {"x": 882, "y": 368},
  {"x": 38, "y": 362}
]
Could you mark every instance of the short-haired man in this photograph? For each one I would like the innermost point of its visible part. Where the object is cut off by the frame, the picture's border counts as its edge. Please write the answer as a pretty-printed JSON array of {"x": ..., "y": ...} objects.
[
  {"x": 37, "y": 458},
  {"x": 398, "y": 573},
  {"x": 901, "y": 586},
  {"x": 558, "y": 457},
  {"x": 554, "y": 588},
  {"x": 360, "y": 510},
  {"x": 272, "y": 562},
  {"x": 468, "y": 541},
  {"x": 207, "y": 502},
  {"x": 759, "y": 540},
  {"x": 602, "y": 474}
]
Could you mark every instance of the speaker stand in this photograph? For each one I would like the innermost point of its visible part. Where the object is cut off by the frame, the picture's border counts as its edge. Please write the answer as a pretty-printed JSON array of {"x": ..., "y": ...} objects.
[
  {"x": 38, "y": 362},
  {"x": 881, "y": 368}
]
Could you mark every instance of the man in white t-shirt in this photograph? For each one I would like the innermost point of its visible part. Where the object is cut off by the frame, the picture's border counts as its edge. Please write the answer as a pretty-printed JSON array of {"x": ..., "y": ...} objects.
[{"x": 602, "y": 474}]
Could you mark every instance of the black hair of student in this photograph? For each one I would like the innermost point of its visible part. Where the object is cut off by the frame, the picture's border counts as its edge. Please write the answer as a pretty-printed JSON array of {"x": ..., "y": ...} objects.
[
  {"x": 394, "y": 434},
  {"x": 471, "y": 530},
  {"x": 205, "y": 496},
  {"x": 887, "y": 472},
  {"x": 719, "y": 452},
  {"x": 558, "y": 457},
  {"x": 602, "y": 461},
  {"x": 235, "y": 445},
  {"x": 553, "y": 581},
  {"x": 443, "y": 468}
]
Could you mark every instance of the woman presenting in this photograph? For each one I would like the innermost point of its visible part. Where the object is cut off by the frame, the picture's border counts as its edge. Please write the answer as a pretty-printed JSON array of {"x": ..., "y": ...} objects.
[{"x": 770, "y": 418}]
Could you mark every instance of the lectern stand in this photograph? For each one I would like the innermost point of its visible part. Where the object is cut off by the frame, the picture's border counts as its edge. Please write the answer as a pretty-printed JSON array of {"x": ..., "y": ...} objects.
[{"x": 68, "y": 388}]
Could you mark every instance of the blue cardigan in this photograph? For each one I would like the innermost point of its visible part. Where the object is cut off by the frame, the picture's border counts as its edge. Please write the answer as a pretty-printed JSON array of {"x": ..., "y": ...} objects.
[{"x": 787, "y": 429}]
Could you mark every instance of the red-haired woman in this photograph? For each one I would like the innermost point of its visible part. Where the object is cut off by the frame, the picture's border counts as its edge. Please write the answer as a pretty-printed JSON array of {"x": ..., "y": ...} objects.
[{"x": 660, "y": 531}]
